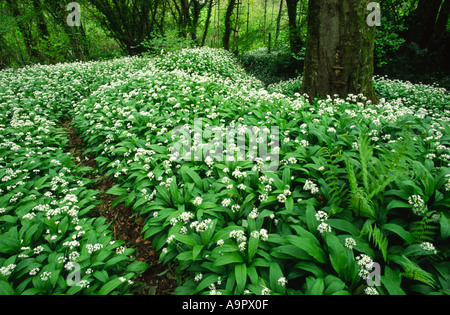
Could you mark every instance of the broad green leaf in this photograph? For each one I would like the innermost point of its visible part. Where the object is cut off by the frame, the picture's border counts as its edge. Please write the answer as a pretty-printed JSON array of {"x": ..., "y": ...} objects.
[
  {"x": 445, "y": 226},
  {"x": 228, "y": 258},
  {"x": 397, "y": 229},
  {"x": 6, "y": 289},
  {"x": 275, "y": 274},
  {"x": 240, "y": 272},
  {"x": 117, "y": 191}
]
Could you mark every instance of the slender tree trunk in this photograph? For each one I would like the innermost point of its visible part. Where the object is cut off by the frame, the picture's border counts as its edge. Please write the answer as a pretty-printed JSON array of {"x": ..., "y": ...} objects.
[
  {"x": 339, "y": 49},
  {"x": 280, "y": 13},
  {"x": 422, "y": 22},
  {"x": 208, "y": 18},
  {"x": 227, "y": 33},
  {"x": 440, "y": 26},
  {"x": 294, "y": 32}
]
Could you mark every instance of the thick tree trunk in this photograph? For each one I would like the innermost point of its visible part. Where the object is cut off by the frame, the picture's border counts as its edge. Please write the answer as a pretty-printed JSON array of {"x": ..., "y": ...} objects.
[{"x": 339, "y": 49}]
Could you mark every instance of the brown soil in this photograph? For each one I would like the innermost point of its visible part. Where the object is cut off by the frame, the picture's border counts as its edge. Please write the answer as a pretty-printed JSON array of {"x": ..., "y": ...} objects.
[{"x": 126, "y": 225}]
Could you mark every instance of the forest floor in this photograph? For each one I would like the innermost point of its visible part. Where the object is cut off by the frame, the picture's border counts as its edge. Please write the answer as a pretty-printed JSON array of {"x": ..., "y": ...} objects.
[{"x": 157, "y": 279}]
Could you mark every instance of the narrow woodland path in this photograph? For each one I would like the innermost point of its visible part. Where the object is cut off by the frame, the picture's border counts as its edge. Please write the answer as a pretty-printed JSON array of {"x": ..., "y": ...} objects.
[{"x": 158, "y": 279}]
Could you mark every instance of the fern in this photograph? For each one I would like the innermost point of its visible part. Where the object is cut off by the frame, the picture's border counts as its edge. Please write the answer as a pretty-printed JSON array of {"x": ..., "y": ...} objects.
[
  {"x": 423, "y": 230},
  {"x": 376, "y": 236},
  {"x": 359, "y": 202},
  {"x": 414, "y": 272}
]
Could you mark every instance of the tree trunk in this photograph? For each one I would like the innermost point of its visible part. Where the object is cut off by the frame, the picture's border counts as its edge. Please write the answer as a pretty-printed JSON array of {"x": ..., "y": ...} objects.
[
  {"x": 208, "y": 18},
  {"x": 440, "y": 26},
  {"x": 294, "y": 32},
  {"x": 227, "y": 34},
  {"x": 280, "y": 13},
  {"x": 339, "y": 49}
]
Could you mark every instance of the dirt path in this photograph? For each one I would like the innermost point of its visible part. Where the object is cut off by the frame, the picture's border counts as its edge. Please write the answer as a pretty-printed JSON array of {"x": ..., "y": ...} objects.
[{"x": 158, "y": 279}]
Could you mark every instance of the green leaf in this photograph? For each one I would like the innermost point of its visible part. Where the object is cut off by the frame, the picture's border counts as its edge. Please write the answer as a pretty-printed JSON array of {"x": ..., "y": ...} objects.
[
  {"x": 309, "y": 247},
  {"x": 253, "y": 244},
  {"x": 185, "y": 239},
  {"x": 344, "y": 225},
  {"x": 101, "y": 275},
  {"x": 137, "y": 266},
  {"x": 117, "y": 191},
  {"x": 228, "y": 258},
  {"x": 397, "y": 229},
  {"x": 445, "y": 226},
  {"x": 275, "y": 273},
  {"x": 289, "y": 203},
  {"x": 195, "y": 177},
  {"x": 315, "y": 286},
  {"x": 392, "y": 287},
  {"x": 115, "y": 260},
  {"x": 206, "y": 282},
  {"x": 240, "y": 272},
  {"x": 110, "y": 286},
  {"x": 311, "y": 221},
  {"x": 6, "y": 289},
  {"x": 196, "y": 250}
]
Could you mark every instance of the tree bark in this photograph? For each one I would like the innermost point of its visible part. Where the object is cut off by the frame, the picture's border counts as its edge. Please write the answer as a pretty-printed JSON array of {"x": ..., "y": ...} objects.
[
  {"x": 208, "y": 18},
  {"x": 227, "y": 34},
  {"x": 294, "y": 32},
  {"x": 339, "y": 50}
]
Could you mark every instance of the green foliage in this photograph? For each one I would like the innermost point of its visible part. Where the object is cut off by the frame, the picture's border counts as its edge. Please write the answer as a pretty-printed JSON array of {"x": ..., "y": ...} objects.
[{"x": 356, "y": 183}]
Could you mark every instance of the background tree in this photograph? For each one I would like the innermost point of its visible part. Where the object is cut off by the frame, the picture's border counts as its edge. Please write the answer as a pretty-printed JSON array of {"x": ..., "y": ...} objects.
[{"x": 339, "y": 49}]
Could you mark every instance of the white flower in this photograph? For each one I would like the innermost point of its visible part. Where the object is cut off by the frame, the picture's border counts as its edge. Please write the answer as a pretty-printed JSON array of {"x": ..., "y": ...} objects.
[
  {"x": 254, "y": 214},
  {"x": 170, "y": 239},
  {"x": 220, "y": 242},
  {"x": 427, "y": 246},
  {"x": 371, "y": 291},
  {"x": 321, "y": 216},
  {"x": 323, "y": 227},
  {"x": 198, "y": 277},
  {"x": 281, "y": 198},
  {"x": 418, "y": 204},
  {"x": 366, "y": 264},
  {"x": 309, "y": 185},
  {"x": 265, "y": 291},
  {"x": 45, "y": 276},
  {"x": 282, "y": 281},
  {"x": 197, "y": 201},
  {"x": 226, "y": 202},
  {"x": 350, "y": 242}
]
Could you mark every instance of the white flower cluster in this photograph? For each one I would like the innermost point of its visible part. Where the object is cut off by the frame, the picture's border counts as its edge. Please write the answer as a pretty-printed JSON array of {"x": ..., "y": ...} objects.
[
  {"x": 447, "y": 183},
  {"x": 261, "y": 234},
  {"x": 282, "y": 197},
  {"x": 366, "y": 266},
  {"x": 419, "y": 206},
  {"x": 323, "y": 227},
  {"x": 91, "y": 248},
  {"x": 309, "y": 185},
  {"x": 427, "y": 246},
  {"x": 197, "y": 201},
  {"x": 350, "y": 242},
  {"x": 201, "y": 226},
  {"x": 6, "y": 271},
  {"x": 240, "y": 237}
]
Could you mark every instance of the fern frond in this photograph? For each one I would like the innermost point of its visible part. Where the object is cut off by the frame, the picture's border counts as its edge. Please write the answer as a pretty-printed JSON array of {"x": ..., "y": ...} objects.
[
  {"x": 414, "y": 272},
  {"x": 424, "y": 230},
  {"x": 376, "y": 236}
]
